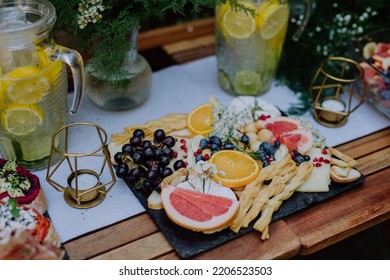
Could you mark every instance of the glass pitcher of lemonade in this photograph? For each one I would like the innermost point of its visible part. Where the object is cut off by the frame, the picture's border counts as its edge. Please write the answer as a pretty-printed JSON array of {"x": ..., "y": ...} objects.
[
  {"x": 33, "y": 82},
  {"x": 249, "y": 45}
]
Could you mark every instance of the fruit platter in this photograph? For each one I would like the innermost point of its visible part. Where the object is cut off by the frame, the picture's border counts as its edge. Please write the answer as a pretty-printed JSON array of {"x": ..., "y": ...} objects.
[
  {"x": 374, "y": 50},
  {"x": 222, "y": 171}
]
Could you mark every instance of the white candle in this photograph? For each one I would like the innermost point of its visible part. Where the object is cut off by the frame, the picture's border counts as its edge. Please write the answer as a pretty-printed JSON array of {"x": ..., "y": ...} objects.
[
  {"x": 85, "y": 181},
  {"x": 333, "y": 105}
]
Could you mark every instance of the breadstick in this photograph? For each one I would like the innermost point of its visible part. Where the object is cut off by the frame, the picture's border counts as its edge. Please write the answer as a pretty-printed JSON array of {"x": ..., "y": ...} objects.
[
  {"x": 251, "y": 190},
  {"x": 304, "y": 171}
]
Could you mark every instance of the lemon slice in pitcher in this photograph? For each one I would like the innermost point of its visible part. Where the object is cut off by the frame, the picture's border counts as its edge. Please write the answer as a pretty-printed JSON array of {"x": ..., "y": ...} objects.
[
  {"x": 22, "y": 119},
  {"x": 271, "y": 20},
  {"x": 238, "y": 24},
  {"x": 25, "y": 85}
]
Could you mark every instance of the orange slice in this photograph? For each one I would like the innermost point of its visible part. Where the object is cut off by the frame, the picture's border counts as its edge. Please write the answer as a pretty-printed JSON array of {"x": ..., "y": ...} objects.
[
  {"x": 235, "y": 169},
  {"x": 200, "y": 120}
]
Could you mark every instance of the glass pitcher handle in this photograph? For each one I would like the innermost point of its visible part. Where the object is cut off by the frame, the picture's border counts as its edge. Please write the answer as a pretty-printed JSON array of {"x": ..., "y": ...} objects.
[
  {"x": 308, "y": 11},
  {"x": 76, "y": 64}
]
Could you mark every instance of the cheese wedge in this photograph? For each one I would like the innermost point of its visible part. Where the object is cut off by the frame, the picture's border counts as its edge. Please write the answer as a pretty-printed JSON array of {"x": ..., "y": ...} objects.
[{"x": 319, "y": 179}]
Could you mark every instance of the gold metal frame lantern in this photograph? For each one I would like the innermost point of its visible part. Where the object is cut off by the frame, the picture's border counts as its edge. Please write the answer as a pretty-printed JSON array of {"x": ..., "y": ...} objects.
[
  {"x": 336, "y": 82},
  {"x": 84, "y": 177}
]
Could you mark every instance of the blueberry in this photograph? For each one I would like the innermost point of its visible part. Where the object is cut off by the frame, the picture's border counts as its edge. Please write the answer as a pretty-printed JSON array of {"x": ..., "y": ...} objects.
[
  {"x": 266, "y": 163},
  {"x": 385, "y": 95},
  {"x": 306, "y": 157},
  {"x": 228, "y": 146},
  {"x": 215, "y": 140},
  {"x": 267, "y": 148},
  {"x": 277, "y": 144},
  {"x": 262, "y": 156},
  {"x": 214, "y": 147},
  {"x": 203, "y": 144},
  {"x": 245, "y": 139},
  {"x": 198, "y": 158}
]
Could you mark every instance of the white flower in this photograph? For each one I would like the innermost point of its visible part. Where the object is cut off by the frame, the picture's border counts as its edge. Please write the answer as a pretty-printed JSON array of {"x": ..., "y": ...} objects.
[{"x": 89, "y": 12}]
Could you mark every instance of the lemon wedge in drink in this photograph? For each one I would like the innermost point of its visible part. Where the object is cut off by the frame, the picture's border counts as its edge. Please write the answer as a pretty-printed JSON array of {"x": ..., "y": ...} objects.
[
  {"x": 272, "y": 18},
  {"x": 247, "y": 82},
  {"x": 22, "y": 119},
  {"x": 25, "y": 85},
  {"x": 238, "y": 24}
]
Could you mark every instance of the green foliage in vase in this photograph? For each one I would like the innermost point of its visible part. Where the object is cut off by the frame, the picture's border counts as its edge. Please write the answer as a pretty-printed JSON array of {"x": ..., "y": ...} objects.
[
  {"x": 330, "y": 32},
  {"x": 105, "y": 25}
]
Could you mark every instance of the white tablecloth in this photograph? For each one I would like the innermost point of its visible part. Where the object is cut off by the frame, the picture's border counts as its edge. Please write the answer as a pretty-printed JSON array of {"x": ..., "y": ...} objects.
[{"x": 176, "y": 89}]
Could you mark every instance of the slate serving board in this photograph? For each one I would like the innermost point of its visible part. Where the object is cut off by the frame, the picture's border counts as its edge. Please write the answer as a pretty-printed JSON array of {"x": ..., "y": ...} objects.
[{"x": 188, "y": 243}]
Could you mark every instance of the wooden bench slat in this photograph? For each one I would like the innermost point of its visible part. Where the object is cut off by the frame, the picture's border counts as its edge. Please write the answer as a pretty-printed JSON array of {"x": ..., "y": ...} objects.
[{"x": 348, "y": 213}]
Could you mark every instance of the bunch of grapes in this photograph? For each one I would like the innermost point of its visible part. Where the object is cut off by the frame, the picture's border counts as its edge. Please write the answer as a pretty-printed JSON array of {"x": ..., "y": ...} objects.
[{"x": 149, "y": 160}]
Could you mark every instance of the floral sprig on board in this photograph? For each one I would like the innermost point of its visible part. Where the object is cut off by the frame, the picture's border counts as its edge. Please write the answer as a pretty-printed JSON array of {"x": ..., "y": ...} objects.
[{"x": 330, "y": 32}]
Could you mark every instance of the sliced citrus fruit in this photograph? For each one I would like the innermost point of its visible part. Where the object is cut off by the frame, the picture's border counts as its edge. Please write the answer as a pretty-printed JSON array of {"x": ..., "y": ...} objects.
[
  {"x": 238, "y": 24},
  {"x": 22, "y": 119},
  {"x": 235, "y": 169},
  {"x": 197, "y": 211},
  {"x": 200, "y": 120},
  {"x": 271, "y": 20},
  {"x": 247, "y": 82},
  {"x": 25, "y": 85}
]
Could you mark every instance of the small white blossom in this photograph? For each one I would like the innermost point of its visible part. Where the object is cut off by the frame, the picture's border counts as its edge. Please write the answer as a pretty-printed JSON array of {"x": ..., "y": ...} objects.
[{"x": 89, "y": 12}]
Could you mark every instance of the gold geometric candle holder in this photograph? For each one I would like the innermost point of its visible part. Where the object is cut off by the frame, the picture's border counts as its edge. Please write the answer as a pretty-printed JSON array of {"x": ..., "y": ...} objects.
[
  {"x": 84, "y": 172},
  {"x": 336, "y": 81}
]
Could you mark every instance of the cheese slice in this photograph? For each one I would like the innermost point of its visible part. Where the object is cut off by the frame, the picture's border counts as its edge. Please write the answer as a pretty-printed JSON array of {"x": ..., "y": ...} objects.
[{"x": 319, "y": 179}]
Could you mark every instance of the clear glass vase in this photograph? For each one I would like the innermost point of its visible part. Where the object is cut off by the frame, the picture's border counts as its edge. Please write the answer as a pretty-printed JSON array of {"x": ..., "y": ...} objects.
[{"x": 128, "y": 89}]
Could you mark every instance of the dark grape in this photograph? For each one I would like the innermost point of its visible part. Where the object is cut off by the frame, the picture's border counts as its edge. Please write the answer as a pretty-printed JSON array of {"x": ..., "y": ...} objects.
[
  {"x": 203, "y": 144},
  {"x": 170, "y": 141},
  {"x": 137, "y": 157},
  {"x": 118, "y": 157},
  {"x": 127, "y": 149},
  {"x": 215, "y": 140},
  {"x": 168, "y": 152},
  {"x": 228, "y": 146},
  {"x": 148, "y": 186},
  {"x": 245, "y": 139},
  {"x": 135, "y": 141},
  {"x": 149, "y": 153},
  {"x": 158, "y": 153},
  {"x": 145, "y": 144},
  {"x": 166, "y": 172},
  {"x": 152, "y": 174},
  {"x": 159, "y": 135},
  {"x": 179, "y": 164},
  {"x": 155, "y": 166},
  {"x": 135, "y": 173},
  {"x": 139, "y": 133},
  {"x": 122, "y": 170},
  {"x": 164, "y": 161}
]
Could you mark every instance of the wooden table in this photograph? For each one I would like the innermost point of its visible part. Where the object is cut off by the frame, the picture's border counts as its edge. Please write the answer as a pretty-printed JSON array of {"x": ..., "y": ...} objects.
[{"x": 302, "y": 233}]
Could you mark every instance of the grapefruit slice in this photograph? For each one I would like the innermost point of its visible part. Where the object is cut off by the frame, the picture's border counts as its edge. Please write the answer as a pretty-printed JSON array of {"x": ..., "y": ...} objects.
[
  {"x": 299, "y": 139},
  {"x": 278, "y": 125},
  {"x": 197, "y": 211}
]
